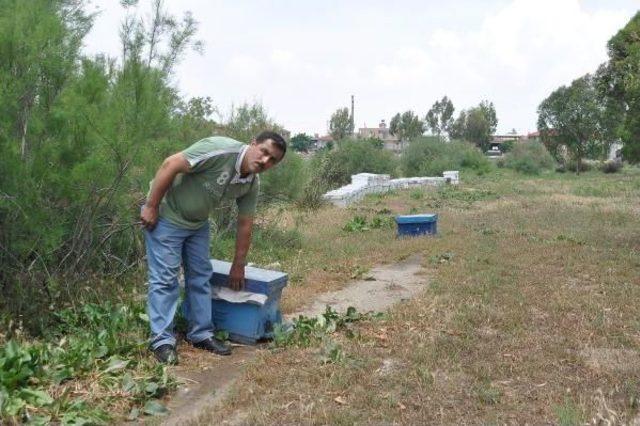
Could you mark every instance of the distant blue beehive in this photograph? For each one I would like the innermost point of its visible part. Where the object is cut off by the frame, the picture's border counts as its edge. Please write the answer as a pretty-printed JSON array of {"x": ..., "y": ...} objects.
[
  {"x": 248, "y": 322},
  {"x": 417, "y": 224}
]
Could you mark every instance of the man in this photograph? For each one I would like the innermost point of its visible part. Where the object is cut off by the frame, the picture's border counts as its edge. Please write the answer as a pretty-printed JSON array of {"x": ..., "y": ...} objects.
[{"x": 186, "y": 188}]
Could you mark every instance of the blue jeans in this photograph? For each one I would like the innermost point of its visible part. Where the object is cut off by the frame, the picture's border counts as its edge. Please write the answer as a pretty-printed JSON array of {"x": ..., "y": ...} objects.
[{"x": 169, "y": 246}]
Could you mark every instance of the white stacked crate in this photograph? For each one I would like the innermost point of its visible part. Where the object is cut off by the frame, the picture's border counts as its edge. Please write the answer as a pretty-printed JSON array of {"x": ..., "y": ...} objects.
[{"x": 370, "y": 183}]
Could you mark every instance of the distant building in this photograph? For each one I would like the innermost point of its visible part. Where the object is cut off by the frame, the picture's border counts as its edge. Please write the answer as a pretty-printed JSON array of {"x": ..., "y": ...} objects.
[
  {"x": 495, "y": 145},
  {"x": 319, "y": 142},
  {"x": 382, "y": 132},
  {"x": 533, "y": 137},
  {"x": 511, "y": 136}
]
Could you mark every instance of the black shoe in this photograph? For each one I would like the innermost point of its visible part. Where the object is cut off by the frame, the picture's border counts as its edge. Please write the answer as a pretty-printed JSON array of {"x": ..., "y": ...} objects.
[
  {"x": 213, "y": 345},
  {"x": 166, "y": 354}
]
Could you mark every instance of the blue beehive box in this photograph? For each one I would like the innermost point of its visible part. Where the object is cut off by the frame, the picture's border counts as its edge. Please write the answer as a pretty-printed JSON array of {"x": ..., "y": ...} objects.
[
  {"x": 248, "y": 322},
  {"x": 417, "y": 224}
]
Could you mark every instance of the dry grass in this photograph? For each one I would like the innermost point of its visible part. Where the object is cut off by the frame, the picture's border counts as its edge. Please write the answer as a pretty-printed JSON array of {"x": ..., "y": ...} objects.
[{"x": 532, "y": 317}]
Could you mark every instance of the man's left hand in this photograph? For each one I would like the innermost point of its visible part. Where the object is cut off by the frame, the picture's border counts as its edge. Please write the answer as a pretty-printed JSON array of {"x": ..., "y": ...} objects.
[{"x": 236, "y": 276}]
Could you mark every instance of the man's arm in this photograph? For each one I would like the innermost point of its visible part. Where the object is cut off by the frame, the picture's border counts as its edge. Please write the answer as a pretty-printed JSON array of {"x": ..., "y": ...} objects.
[
  {"x": 243, "y": 241},
  {"x": 171, "y": 166}
]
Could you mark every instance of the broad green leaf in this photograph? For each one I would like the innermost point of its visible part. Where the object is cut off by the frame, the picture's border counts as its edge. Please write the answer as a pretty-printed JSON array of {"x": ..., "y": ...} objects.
[
  {"x": 133, "y": 414},
  {"x": 62, "y": 374},
  {"x": 40, "y": 420},
  {"x": 222, "y": 335},
  {"x": 128, "y": 384},
  {"x": 116, "y": 364},
  {"x": 155, "y": 408},
  {"x": 36, "y": 397},
  {"x": 14, "y": 405},
  {"x": 102, "y": 351},
  {"x": 151, "y": 388},
  {"x": 73, "y": 418}
]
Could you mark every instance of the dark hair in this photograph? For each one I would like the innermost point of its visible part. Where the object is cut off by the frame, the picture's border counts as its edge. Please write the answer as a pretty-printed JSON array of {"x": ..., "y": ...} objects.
[{"x": 275, "y": 137}]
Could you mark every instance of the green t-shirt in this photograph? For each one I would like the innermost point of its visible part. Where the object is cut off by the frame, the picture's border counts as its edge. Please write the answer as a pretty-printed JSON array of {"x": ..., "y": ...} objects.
[{"x": 214, "y": 176}]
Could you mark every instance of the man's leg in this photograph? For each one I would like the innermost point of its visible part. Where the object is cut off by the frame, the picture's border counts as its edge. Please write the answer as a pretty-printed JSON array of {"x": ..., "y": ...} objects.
[
  {"x": 164, "y": 247},
  {"x": 197, "y": 273}
]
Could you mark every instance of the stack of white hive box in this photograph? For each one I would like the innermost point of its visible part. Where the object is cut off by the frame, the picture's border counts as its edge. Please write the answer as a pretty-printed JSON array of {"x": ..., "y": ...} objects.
[{"x": 370, "y": 183}]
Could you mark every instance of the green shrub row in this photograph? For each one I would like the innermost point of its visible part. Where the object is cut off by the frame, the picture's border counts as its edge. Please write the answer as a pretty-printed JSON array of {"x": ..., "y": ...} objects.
[
  {"x": 529, "y": 158},
  {"x": 429, "y": 156}
]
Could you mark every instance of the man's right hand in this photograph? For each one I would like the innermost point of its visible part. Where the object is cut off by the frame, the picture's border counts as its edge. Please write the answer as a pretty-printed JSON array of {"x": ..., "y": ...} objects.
[{"x": 149, "y": 217}]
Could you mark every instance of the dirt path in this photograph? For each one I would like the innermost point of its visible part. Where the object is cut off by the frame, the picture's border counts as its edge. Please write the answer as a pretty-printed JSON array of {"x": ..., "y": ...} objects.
[{"x": 206, "y": 379}]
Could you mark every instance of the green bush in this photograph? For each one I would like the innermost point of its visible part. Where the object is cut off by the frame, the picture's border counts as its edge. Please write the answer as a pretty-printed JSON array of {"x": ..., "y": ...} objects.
[
  {"x": 351, "y": 157},
  {"x": 529, "y": 158},
  {"x": 507, "y": 146},
  {"x": 428, "y": 156}
]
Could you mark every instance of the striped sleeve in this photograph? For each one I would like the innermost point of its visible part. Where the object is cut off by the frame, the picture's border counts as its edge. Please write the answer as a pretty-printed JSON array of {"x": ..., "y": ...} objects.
[{"x": 206, "y": 153}]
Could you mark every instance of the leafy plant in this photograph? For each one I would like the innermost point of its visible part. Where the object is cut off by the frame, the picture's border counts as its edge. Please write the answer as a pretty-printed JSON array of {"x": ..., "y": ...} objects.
[
  {"x": 331, "y": 352},
  {"x": 361, "y": 224},
  {"x": 102, "y": 343},
  {"x": 356, "y": 224},
  {"x": 306, "y": 331}
]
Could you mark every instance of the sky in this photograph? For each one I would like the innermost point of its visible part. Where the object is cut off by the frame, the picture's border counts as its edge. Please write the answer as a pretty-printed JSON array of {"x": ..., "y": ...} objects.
[{"x": 304, "y": 59}]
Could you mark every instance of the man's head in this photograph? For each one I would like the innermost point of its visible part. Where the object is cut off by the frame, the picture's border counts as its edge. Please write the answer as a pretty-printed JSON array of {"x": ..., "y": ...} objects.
[{"x": 265, "y": 151}]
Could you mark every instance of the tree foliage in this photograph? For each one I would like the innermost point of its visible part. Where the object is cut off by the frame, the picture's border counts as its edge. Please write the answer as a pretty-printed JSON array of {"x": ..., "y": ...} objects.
[
  {"x": 458, "y": 127},
  {"x": 194, "y": 118},
  {"x": 340, "y": 125},
  {"x": 619, "y": 82},
  {"x": 573, "y": 116},
  {"x": 406, "y": 126},
  {"x": 476, "y": 125},
  {"x": 246, "y": 121},
  {"x": 300, "y": 142},
  {"x": 78, "y": 138},
  {"x": 439, "y": 118},
  {"x": 39, "y": 46}
]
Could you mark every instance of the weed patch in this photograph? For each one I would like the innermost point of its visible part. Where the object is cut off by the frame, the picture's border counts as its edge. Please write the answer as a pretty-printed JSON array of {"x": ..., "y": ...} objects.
[
  {"x": 488, "y": 394},
  {"x": 102, "y": 347},
  {"x": 568, "y": 414},
  {"x": 305, "y": 331},
  {"x": 361, "y": 223}
]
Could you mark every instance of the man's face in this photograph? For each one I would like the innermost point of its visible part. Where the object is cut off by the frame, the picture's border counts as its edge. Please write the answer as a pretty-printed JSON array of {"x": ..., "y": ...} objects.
[{"x": 262, "y": 156}]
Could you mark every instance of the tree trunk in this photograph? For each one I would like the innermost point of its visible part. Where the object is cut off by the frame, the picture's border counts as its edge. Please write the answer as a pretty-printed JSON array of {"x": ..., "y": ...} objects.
[
  {"x": 23, "y": 125},
  {"x": 23, "y": 139}
]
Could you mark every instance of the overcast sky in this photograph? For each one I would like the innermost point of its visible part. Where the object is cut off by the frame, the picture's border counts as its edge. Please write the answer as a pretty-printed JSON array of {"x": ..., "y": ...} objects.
[{"x": 304, "y": 59}]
